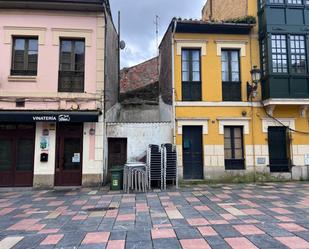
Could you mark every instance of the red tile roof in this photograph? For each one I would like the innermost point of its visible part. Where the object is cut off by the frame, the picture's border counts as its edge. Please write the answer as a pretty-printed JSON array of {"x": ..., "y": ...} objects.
[{"x": 139, "y": 76}]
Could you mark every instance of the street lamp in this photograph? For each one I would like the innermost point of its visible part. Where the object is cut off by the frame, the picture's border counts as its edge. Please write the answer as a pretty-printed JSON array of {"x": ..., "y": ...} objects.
[
  {"x": 252, "y": 88},
  {"x": 255, "y": 75}
]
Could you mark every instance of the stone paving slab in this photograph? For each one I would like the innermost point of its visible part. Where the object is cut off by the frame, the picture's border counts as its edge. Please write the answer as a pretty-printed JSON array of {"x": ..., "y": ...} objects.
[{"x": 244, "y": 216}]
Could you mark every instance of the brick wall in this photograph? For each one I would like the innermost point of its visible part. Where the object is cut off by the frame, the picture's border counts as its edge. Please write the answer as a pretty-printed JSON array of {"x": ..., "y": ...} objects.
[{"x": 224, "y": 9}]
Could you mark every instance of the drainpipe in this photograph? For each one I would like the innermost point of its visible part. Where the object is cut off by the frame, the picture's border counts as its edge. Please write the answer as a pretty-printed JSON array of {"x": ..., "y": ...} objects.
[
  {"x": 252, "y": 117},
  {"x": 104, "y": 103},
  {"x": 173, "y": 83}
]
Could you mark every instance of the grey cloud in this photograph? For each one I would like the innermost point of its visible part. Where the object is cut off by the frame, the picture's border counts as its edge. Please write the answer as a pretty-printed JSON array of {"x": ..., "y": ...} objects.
[{"x": 138, "y": 24}]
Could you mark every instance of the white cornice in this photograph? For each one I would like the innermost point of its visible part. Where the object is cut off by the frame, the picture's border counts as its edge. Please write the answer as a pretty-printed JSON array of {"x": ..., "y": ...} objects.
[{"x": 216, "y": 104}]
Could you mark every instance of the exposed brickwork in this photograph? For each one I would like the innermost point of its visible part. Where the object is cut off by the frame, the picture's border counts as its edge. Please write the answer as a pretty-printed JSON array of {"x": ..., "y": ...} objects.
[
  {"x": 219, "y": 10},
  {"x": 139, "y": 76}
]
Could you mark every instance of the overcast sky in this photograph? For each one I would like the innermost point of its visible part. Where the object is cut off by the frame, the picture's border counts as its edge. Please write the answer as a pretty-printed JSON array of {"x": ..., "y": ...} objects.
[{"x": 138, "y": 27}]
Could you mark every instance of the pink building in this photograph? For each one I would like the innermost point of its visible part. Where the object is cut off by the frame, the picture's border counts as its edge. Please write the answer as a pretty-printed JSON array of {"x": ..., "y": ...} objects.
[{"x": 57, "y": 60}]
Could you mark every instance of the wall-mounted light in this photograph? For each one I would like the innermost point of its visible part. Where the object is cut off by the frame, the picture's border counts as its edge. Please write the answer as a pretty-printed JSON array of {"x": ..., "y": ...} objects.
[
  {"x": 255, "y": 75},
  {"x": 252, "y": 87}
]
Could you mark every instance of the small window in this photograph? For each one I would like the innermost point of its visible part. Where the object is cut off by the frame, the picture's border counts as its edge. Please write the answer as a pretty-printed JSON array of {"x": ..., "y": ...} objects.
[
  {"x": 233, "y": 148},
  {"x": 25, "y": 56},
  {"x": 294, "y": 1},
  {"x": 191, "y": 75},
  {"x": 276, "y": 1},
  {"x": 72, "y": 65},
  {"x": 298, "y": 54},
  {"x": 279, "y": 54},
  {"x": 231, "y": 75}
]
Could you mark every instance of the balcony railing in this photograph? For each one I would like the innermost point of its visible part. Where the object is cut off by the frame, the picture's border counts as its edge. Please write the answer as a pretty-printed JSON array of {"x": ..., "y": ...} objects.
[
  {"x": 71, "y": 81},
  {"x": 191, "y": 91},
  {"x": 231, "y": 91}
]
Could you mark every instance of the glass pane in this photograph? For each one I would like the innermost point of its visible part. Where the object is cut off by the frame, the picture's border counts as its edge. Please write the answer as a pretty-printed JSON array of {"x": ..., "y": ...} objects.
[
  {"x": 235, "y": 77},
  {"x": 19, "y": 44},
  {"x": 185, "y": 66},
  {"x": 227, "y": 132},
  {"x": 5, "y": 154},
  {"x": 185, "y": 55},
  {"x": 237, "y": 132},
  {"x": 185, "y": 76},
  {"x": 66, "y": 46},
  {"x": 238, "y": 143},
  {"x": 79, "y": 62},
  {"x": 196, "y": 66},
  {"x": 227, "y": 154},
  {"x": 224, "y": 55},
  {"x": 225, "y": 76},
  {"x": 227, "y": 143},
  {"x": 196, "y": 76},
  {"x": 195, "y": 55},
  {"x": 72, "y": 154},
  {"x": 238, "y": 153},
  {"x": 33, "y": 44},
  {"x": 25, "y": 148},
  {"x": 79, "y": 47}
]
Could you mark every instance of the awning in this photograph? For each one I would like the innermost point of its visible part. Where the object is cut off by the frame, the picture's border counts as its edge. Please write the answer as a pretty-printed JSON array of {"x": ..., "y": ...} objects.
[{"x": 48, "y": 116}]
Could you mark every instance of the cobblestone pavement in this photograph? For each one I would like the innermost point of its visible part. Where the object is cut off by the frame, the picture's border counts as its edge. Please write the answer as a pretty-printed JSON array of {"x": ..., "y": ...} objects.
[{"x": 221, "y": 216}]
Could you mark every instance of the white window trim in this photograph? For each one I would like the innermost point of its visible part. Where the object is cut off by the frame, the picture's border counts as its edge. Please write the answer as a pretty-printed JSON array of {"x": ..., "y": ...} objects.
[
  {"x": 10, "y": 31},
  {"x": 231, "y": 44},
  {"x": 267, "y": 122},
  {"x": 58, "y": 33},
  {"x": 193, "y": 122},
  {"x": 216, "y": 104},
  {"x": 202, "y": 44},
  {"x": 234, "y": 122}
]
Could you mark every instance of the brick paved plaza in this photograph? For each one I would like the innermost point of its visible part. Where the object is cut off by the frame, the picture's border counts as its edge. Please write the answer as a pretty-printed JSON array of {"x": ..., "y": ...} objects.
[{"x": 274, "y": 215}]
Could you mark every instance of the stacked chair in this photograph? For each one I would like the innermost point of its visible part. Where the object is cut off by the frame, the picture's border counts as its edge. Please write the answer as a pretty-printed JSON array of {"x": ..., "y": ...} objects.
[
  {"x": 155, "y": 165},
  {"x": 161, "y": 168},
  {"x": 162, "y": 165},
  {"x": 170, "y": 164}
]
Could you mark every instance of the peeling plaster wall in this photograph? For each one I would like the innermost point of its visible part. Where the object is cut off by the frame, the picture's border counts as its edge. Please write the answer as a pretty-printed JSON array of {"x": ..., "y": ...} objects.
[{"x": 140, "y": 135}]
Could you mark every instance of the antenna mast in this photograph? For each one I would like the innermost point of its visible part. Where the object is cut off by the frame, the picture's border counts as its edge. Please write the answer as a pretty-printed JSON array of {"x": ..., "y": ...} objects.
[{"x": 157, "y": 33}]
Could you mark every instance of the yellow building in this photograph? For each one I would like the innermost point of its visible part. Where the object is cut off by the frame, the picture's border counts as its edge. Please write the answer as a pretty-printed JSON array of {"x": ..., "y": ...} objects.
[{"x": 225, "y": 125}]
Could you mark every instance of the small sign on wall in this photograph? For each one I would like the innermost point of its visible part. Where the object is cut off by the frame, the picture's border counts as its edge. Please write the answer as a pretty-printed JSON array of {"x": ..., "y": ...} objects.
[
  {"x": 307, "y": 159},
  {"x": 261, "y": 160},
  {"x": 76, "y": 158},
  {"x": 44, "y": 143}
]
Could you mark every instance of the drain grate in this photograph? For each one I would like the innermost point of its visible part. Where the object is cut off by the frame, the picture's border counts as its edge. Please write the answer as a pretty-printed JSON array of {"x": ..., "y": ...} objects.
[{"x": 97, "y": 209}]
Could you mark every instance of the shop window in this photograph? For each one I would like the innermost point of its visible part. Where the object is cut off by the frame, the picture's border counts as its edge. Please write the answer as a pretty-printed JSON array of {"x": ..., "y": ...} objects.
[
  {"x": 191, "y": 75},
  {"x": 72, "y": 65},
  {"x": 233, "y": 148},
  {"x": 24, "y": 56},
  {"x": 231, "y": 83}
]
